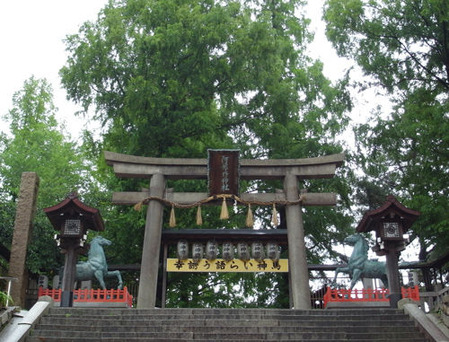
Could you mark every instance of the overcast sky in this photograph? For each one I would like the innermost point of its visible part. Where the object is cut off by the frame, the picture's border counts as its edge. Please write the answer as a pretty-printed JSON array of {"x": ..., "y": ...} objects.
[{"x": 31, "y": 40}]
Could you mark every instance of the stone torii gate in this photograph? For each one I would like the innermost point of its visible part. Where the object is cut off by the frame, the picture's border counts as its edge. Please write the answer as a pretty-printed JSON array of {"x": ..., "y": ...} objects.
[{"x": 161, "y": 169}]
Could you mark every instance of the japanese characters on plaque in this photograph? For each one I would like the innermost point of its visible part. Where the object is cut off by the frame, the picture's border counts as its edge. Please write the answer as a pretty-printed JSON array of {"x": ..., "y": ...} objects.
[
  {"x": 224, "y": 172},
  {"x": 221, "y": 265}
]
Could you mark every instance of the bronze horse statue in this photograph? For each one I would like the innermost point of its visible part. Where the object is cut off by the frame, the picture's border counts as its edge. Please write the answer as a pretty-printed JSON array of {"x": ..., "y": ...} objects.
[
  {"x": 359, "y": 266},
  {"x": 96, "y": 265}
]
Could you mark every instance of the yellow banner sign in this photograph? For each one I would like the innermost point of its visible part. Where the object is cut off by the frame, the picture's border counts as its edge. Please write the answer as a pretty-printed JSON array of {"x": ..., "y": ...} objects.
[{"x": 220, "y": 265}]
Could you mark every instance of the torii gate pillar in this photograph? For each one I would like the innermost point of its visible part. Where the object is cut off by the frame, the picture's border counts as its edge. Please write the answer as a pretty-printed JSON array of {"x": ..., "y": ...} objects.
[
  {"x": 299, "y": 273},
  {"x": 146, "y": 297}
]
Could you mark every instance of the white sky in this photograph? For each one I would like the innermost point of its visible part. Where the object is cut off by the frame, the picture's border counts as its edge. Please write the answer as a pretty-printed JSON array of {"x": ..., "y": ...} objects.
[{"x": 31, "y": 40}]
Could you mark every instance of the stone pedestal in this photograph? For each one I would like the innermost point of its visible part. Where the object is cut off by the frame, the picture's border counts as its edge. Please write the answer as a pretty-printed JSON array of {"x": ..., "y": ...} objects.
[{"x": 25, "y": 211}]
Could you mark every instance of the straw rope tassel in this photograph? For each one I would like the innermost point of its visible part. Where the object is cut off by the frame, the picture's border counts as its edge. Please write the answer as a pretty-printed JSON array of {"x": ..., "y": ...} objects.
[
  {"x": 138, "y": 206},
  {"x": 224, "y": 210},
  {"x": 172, "y": 217},
  {"x": 249, "y": 217},
  {"x": 199, "y": 218},
  {"x": 274, "y": 218}
]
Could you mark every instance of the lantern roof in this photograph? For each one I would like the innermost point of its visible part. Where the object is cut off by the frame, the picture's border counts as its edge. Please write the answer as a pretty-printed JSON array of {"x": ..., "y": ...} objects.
[
  {"x": 391, "y": 209},
  {"x": 71, "y": 207}
]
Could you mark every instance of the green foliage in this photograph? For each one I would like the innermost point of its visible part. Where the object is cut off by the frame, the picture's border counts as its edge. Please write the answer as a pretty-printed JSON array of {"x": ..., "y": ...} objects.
[
  {"x": 199, "y": 70},
  {"x": 408, "y": 153},
  {"x": 224, "y": 290},
  {"x": 403, "y": 46},
  {"x": 36, "y": 144},
  {"x": 5, "y": 298}
]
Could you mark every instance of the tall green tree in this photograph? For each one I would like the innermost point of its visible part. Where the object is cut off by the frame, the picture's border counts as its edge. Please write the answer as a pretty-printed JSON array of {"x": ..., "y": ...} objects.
[
  {"x": 36, "y": 143},
  {"x": 198, "y": 70},
  {"x": 172, "y": 78},
  {"x": 403, "y": 46}
]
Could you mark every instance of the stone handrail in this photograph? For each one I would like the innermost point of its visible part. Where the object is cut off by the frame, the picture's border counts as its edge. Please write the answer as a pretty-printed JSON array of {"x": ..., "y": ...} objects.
[{"x": 433, "y": 299}]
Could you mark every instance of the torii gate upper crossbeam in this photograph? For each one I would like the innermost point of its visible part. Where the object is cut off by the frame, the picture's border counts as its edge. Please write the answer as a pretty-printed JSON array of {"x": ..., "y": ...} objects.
[{"x": 128, "y": 166}]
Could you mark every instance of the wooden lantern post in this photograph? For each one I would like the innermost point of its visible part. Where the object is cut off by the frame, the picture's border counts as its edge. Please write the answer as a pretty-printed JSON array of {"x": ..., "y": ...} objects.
[
  {"x": 71, "y": 218},
  {"x": 390, "y": 222}
]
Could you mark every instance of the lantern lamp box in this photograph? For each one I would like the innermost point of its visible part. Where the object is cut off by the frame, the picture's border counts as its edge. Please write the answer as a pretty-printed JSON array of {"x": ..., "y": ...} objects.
[
  {"x": 223, "y": 172},
  {"x": 72, "y": 228},
  {"x": 391, "y": 231}
]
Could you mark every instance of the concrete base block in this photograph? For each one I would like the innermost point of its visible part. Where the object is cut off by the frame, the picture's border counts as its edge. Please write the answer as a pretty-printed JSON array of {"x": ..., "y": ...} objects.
[
  {"x": 6, "y": 315},
  {"x": 351, "y": 305},
  {"x": 436, "y": 319},
  {"x": 445, "y": 319},
  {"x": 95, "y": 305}
]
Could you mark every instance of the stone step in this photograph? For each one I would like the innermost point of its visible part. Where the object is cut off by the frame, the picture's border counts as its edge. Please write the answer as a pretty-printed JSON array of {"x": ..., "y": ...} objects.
[
  {"x": 330, "y": 336},
  {"x": 168, "y": 316},
  {"x": 236, "y": 312},
  {"x": 200, "y": 328},
  {"x": 225, "y": 323},
  {"x": 199, "y": 315},
  {"x": 162, "y": 339},
  {"x": 88, "y": 324},
  {"x": 353, "y": 318}
]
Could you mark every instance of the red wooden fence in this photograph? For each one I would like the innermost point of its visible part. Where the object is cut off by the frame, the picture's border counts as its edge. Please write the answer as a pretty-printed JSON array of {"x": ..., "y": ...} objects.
[
  {"x": 92, "y": 296},
  {"x": 366, "y": 295}
]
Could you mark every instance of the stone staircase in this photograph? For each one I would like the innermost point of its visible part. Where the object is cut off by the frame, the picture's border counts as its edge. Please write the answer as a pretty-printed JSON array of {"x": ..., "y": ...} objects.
[{"x": 95, "y": 324}]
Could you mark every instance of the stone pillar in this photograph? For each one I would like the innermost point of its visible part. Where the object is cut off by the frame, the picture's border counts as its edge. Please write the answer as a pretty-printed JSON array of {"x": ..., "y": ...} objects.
[
  {"x": 394, "y": 286},
  {"x": 69, "y": 275},
  {"x": 299, "y": 274},
  {"x": 146, "y": 298},
  {"x": 25, "y": 211}
]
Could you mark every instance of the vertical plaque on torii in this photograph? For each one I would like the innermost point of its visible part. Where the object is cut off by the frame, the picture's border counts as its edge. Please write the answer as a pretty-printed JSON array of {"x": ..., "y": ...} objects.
[{"x": 223, "y": 172}]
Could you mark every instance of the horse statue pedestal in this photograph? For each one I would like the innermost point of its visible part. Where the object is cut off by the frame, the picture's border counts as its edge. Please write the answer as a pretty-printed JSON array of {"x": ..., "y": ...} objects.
[{"x": 355, "y": 305}]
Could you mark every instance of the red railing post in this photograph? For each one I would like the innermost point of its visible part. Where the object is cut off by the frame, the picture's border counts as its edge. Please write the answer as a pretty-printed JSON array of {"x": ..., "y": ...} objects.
[
  {"x": 92, "y": 296},
  {"x": 366, "y": 295}
]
